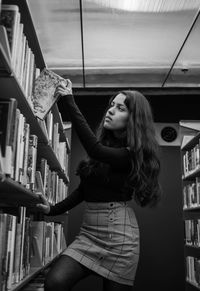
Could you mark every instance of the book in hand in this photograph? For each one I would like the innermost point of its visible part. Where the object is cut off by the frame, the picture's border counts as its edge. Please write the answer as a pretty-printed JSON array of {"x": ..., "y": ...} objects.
[{"x": 44, "y": 92}]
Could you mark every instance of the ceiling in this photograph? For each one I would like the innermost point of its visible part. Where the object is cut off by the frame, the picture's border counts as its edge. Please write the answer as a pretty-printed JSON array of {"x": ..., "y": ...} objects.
[{"x": 120, "y": 43}]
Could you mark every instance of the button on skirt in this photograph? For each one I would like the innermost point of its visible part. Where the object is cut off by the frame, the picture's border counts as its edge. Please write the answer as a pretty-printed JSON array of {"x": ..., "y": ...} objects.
[{"x": 108, "y": 241}]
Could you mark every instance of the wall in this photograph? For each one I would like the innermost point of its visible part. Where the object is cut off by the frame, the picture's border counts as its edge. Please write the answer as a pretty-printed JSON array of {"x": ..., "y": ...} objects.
[
  {"x": 162, "y": 255},
  {"x": 161, "y": 265}
]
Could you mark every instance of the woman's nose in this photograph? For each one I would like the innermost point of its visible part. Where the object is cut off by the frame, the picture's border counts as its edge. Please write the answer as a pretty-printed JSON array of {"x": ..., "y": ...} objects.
[{"x": 111, "y": 110}]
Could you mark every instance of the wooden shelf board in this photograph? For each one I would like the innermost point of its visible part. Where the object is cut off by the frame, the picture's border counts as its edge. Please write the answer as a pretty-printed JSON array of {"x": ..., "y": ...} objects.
[
  {"x": 195, "y": 173},
  {"x": 16, "y": 194},
  {"x": 192, "y": 142}
]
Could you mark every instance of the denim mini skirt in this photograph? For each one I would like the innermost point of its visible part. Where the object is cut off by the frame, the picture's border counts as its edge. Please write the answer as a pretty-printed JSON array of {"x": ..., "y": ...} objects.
[{"x": 108, "y": 241}]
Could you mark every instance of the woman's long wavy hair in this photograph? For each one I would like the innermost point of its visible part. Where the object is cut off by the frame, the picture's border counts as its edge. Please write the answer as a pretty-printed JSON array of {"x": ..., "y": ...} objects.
[{"x": 143, "y": 147}]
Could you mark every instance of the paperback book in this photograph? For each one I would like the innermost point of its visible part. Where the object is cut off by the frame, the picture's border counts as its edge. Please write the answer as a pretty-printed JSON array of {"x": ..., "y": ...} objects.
[{"x": 44, "y": 92}]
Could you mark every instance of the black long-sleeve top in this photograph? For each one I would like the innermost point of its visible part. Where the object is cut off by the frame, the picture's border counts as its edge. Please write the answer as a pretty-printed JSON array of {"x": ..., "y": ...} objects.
[{"x": 103, "y": 185}]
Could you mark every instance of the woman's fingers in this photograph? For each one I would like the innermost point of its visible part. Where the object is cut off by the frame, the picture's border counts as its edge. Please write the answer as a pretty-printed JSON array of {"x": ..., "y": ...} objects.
[
  {"x": 43, "y": 199},
  {"x": 69, "y": 84},
  {"x": 64, "y": 89},
  {"x": 43, "y": 207}
]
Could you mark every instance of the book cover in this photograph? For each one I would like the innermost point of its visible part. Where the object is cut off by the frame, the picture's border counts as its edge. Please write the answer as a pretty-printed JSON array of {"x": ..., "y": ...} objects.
[{"x": 44, "y": 92}]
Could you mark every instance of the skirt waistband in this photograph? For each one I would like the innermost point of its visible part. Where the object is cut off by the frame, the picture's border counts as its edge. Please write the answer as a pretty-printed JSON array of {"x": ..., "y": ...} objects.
[{"x": 106, "y": 205}]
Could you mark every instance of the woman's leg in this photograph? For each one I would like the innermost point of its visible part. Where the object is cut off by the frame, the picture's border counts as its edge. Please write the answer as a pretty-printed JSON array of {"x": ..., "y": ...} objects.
[
  {"x": 64, "y": 274},
  {"x": 109, "y": 285}
]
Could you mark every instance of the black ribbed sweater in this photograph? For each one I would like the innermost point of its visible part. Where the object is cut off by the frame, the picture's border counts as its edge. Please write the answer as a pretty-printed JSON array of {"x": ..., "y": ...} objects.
[{"x": 103, "y": 185}]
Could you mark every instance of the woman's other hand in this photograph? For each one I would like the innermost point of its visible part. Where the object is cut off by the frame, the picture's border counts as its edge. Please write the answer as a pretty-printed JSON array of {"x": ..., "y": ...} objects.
[
  {"x": 63, "y": 89},
  {"x": 44, "y": 205}
]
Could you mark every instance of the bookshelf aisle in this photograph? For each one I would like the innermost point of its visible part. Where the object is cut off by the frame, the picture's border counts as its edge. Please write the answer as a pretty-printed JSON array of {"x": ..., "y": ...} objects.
[
  {"x": 34, "y": 156},
  {"x": 190, "y": 160}
]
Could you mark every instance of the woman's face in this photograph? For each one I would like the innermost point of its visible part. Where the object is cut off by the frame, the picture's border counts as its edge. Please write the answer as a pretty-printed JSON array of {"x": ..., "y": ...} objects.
[{"x": 117, "y": 115}]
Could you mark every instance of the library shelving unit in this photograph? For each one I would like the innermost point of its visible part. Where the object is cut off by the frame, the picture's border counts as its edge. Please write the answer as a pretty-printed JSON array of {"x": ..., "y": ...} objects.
[
  {"x": 16, "y": 199},
  {"x": 190, "y": 162}
]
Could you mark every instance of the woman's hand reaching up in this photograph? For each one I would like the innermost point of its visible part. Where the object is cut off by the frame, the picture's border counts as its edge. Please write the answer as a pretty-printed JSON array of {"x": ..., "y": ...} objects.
[{"x": 63, "y": 89}]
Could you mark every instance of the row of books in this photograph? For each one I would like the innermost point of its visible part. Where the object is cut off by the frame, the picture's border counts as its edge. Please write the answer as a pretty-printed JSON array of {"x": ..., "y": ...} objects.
[
  {"x": 49, "y": 184},
  {"x": 14, "y": 251},
  {"x": 48, "y": 240},
  {"x": 192, "y": 232},
  {"x": 191, "y": 194},
  {"x": 16, "y": 142},
  {"x": 19, "y": 159},
  {"x": 193, "y": 270},
  {"x": 52, "y": 132},
  {"x": 26, "y": 244},
  {"x": 191, "y": 160},
  {"x": 18, "y": 52},
  {"x": 38, "y": 85},
  {"x": 24, "y": 241}
]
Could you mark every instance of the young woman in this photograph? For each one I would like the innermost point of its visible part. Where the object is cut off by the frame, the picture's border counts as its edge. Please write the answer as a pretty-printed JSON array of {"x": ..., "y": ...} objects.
[{"x": 122, "y": 165}]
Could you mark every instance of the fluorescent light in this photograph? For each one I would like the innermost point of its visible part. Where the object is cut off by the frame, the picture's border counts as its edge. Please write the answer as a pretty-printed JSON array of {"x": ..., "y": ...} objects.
[{"x": 149, "y": 5}]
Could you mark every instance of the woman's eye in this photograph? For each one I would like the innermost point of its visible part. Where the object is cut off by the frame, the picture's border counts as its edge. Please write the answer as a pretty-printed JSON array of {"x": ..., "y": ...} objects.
[{"x": 121, "y": 108}]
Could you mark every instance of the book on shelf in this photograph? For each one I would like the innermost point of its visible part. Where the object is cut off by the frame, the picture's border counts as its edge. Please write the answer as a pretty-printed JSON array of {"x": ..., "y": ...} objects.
[
  {"x": 10, "y": 246},
  {"x": 37, "y": 236},
  {"x": 193, "y": 270},
  {"x": 44, "y": 92},
  {"x": 43, "y": 126},
  {"x": 4, "y": 218},
  {"x": 5, "y": 46},
  {"x": 19, "y": 146},
  {"x": 16, "y": 270},
  {"x": 39, "y": 186},
  {"x": 10, "y": 19},
  {"x": 32, "y": 160},
  {"x": 7, "y": 133}
]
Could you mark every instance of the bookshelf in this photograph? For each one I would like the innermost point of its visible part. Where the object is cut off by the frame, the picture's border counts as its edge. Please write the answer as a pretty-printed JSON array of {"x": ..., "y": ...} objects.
[
  {"x": 190, "y": 162},
  {"x": 26, "y": 166}
]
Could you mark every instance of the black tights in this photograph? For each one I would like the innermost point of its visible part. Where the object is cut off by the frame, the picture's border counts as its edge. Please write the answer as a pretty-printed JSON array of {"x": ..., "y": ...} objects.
[{"x": 66, "y": 272}]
